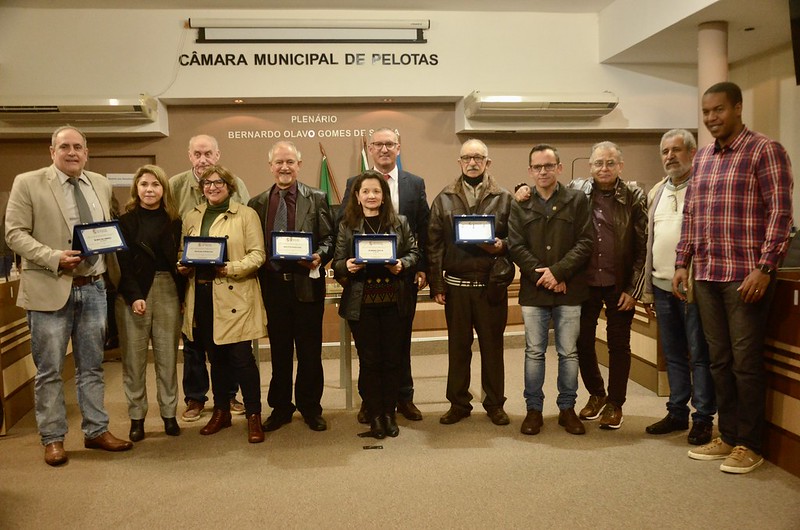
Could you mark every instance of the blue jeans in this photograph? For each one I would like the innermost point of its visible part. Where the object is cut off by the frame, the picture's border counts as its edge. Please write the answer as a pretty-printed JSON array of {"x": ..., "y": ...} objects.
[
  {"x": 567, "y": 325},
  {"x": 83, "y": 319},
  {"x": 686, "y": 352}
]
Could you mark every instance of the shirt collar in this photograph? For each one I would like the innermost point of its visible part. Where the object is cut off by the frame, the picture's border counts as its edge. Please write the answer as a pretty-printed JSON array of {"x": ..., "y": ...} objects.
[
  {"x": 63, "y": 177},
  {"x": 394, "y": 173},
  {"x": 736, "y": 143}
]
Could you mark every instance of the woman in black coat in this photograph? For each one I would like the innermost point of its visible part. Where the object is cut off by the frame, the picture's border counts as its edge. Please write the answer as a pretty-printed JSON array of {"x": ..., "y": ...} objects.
[
  {"x": 377, "y": 298},
  {"x": 148, "y": 308}
]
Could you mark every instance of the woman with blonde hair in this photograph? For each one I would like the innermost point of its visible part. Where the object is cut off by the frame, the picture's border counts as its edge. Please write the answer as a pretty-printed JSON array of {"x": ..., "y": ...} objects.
[{"x": 148, "y": 308}]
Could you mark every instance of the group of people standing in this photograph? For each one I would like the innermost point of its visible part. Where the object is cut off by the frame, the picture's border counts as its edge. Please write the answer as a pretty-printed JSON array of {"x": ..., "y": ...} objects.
[{"x": 705, "y": 250}]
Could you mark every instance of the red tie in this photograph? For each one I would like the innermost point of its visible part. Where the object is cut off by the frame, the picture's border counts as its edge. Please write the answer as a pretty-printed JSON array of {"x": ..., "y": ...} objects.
[{"x": 386, "y": 176}]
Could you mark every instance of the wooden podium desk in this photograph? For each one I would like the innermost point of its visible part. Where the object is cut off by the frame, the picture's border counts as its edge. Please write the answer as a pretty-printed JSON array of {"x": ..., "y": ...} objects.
[{"x": 16, "y": 361}]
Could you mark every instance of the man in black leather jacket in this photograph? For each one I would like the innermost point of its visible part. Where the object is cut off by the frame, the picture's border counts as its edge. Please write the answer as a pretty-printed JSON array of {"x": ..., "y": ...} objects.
[{"x": 616, "y": 280}]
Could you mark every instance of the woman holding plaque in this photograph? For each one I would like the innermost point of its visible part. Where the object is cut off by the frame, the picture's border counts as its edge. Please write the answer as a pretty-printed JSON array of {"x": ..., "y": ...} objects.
[
  {"x": 150, "y": 294},
  {"x": 377, "y": 297},
  {"x": 224, "y": 308}
]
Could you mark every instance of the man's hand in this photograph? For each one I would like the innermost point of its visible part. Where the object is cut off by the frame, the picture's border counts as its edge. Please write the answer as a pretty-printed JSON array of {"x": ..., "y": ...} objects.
[
  {"x": 439, "y": 299},
  {"x": 493, "y": 248},
  {"x": 421, "y": 279},
  {"x": 680, "y": 283},
  {"x": 626, "y": 302},
  {"x": 139, "y": 307},
  {"x": 754, "y": 286},
  {"x": 648, "y": 308},
  {"x": 313, "y": 264},
  {"x": 69, "y": 259}
]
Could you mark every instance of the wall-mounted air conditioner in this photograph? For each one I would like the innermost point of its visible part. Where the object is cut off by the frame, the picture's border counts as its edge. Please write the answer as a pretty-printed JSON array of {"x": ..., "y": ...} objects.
[
  {"x": 141, "y": 115},
  {"x": 488, "y": 106}
]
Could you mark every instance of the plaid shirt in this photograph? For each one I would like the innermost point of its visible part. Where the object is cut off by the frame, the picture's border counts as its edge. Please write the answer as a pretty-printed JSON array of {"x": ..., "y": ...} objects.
[{"x": 738, "y": 209}]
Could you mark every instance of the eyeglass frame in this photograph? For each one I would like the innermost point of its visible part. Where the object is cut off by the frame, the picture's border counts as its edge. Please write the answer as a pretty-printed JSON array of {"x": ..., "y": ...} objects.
[
  {"x": 218, "y": 184},
  {"x": 477, "y": 158},
  {"x": 388, "y": 145},
  {"x": 537, "y": 168}
]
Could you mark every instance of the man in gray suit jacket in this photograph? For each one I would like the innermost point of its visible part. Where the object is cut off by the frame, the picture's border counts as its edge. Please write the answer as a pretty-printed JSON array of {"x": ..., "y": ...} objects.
[
  {"x": 63, "y": 293},
  {"x": 294, "y": 291},
  {"x": 409, "y": 199}
]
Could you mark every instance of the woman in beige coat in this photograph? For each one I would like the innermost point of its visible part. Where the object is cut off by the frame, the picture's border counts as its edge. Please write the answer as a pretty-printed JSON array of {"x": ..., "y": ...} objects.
[{"x": 224, "y": 308}]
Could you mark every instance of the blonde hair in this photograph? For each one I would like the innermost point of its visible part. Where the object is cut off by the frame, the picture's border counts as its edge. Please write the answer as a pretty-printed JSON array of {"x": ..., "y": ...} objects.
[{"x": 161, "y": 177}]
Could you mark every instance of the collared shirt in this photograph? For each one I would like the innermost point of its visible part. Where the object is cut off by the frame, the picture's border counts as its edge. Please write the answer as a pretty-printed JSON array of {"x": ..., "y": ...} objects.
[
  {"x": 392, "y": 181},
  {"x": 99, "y": 266},
  {"x": 600, "y": 271},
  {"x": 738, "y": 210}
]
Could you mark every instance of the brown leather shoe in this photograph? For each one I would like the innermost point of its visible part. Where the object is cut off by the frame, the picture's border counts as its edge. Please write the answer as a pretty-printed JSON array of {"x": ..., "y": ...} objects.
[
  {"x": 498, "y": 416},
  {"x": 454, "y": 415},
  {"x": 54, "y": 454},
  {"x": 194, "y": 409},
  {"x": 532, "y": 423},
  {"x": 255, "y": 434},
  {"x": 593, "y": 408},
  {"x": 569, "y": 420},
  {"x": 409, "y": 410},
  {"x": 611, "y": 417},
  {"x": 107, "y": 442},
  {"x": 219, "y": 420}
]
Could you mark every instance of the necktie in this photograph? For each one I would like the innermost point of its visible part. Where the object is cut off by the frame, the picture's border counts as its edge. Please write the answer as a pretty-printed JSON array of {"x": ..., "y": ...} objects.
[
  {"x": 83, "y": 210},
  {"x": 281, "y": 216},
  {"x": 83, "y": 207},
  {"x": 386, "y": 176}
]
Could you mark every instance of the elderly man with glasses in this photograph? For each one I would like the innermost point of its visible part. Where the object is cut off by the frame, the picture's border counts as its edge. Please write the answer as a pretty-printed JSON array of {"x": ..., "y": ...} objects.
[
  {"x": 616, "y": 280},
  {"x": 459, "y": 278}
]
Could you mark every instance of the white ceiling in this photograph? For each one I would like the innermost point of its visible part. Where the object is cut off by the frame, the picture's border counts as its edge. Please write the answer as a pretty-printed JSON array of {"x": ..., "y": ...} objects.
[{"x": 769, "y": 20}]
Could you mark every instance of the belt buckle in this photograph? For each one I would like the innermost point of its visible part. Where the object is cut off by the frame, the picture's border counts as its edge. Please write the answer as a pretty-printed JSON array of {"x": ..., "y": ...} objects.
[{"x": 286, "y": 276}]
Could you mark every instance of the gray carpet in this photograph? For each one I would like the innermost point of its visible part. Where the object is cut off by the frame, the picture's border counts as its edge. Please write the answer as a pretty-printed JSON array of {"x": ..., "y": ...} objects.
[{"x": 472, "y": 474}]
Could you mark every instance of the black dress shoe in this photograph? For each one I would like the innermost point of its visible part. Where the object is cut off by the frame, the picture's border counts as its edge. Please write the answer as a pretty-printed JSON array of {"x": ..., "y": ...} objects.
[
  {"x": 277, "y": 420},
  {"x": 390, "y": 425},
  {"x": 498, "y": 416},
  {"x": 137, "y": 431},
  {"x": 171, "y": 427},
  {"x": 700, "y": 434},
  {"x": 409, "y": 410},
  {"x": 667, "y": 425},
  {"x": 315, "y": 423},
  {"x": 376, "y": 428},
  {"x": 454, "y": 415},
  {"x": 362, "y": 414}
]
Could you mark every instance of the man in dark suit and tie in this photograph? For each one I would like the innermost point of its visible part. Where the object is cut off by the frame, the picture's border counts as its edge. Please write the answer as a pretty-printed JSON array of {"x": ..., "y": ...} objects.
[
  {"x": 408, "y": 197},
  {"x": 294, "y": 291}
]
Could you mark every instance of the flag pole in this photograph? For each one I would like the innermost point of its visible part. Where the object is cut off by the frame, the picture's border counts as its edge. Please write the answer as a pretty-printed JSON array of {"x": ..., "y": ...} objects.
[{"x": 332, "y": 178}]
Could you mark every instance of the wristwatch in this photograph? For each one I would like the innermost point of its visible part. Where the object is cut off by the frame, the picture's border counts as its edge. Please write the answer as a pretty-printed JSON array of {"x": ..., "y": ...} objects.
[{"x": 766, "y": 269}]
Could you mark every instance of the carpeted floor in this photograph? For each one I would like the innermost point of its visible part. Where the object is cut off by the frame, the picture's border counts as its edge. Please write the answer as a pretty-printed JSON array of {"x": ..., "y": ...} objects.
[{"x": 472, "y": 474}]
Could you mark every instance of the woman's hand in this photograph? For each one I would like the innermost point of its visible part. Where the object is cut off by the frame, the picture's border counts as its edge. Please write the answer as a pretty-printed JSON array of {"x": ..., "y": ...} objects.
[
  {"x": 353, "y": 267},
  {"x": 396, "y": 268}
]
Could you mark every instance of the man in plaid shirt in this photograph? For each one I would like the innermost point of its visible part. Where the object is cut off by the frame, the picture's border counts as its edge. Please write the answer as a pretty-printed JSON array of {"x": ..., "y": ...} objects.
[{"x": 736, "y": 225}]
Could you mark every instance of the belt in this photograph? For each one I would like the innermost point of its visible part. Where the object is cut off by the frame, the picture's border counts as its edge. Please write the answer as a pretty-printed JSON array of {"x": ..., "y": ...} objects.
[
  {"x": 458, "y": 282},
  {"x": 204, "y": 282},
  {"x": 80, "y": 281},
  {"x": 282, "y": 276}
]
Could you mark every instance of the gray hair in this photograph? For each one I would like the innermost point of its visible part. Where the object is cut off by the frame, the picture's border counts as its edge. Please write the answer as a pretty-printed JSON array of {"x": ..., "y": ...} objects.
[
  {"x": 688, "y": 138},
  {"x": 284, "y": 143},
  {"x": 66, "y": 128},
  {"x": 606, "y": 145}
]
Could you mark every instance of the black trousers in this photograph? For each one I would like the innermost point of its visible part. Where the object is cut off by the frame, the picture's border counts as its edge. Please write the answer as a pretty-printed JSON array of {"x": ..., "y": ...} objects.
[
  {"x": 294, "y": 326},
  {"x": 230, "y": 363},
  {"x": 618, "y": 337},
  {"x": 468, "y": 308},
  {"x": 378, "y": 336}
]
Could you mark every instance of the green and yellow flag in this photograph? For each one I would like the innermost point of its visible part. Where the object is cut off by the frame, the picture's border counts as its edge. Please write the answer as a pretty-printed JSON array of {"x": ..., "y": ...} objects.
[{"x": 327, "y": 182}]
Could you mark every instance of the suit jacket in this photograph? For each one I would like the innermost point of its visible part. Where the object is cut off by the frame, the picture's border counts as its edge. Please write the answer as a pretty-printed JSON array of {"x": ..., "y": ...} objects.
[
  {"x": 313, "y": 215},
  {"x": 413, "y": 205},
  {"x": 38, "y": 229}
]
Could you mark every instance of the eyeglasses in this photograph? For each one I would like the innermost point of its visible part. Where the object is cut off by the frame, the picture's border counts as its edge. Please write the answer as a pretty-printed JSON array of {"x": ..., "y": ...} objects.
[
  {"x": 537, "y": 168},
  {"x": 380, "y": 145},
  {"x": 600, "y": 164},
  {"x": 213, "y": 184},
  {"x": 477, "y": 158}
]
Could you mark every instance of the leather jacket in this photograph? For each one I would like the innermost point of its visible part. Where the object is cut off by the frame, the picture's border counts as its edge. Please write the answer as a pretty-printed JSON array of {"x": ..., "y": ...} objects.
[
  {"x": 558, "y": 235},
  {"x": 630, "y": 233},
  {"x": 353, "y": 293},
  {"x": 468, "y": 262}
]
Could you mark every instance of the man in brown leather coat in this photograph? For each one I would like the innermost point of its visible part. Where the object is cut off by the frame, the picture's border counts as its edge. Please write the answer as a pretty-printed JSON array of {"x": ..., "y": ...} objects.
[{"x": 459, "y": 275}]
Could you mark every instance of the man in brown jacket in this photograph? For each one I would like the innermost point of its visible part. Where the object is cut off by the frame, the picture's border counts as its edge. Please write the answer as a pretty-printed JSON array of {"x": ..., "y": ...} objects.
[{"x": 459, "y": 275}]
